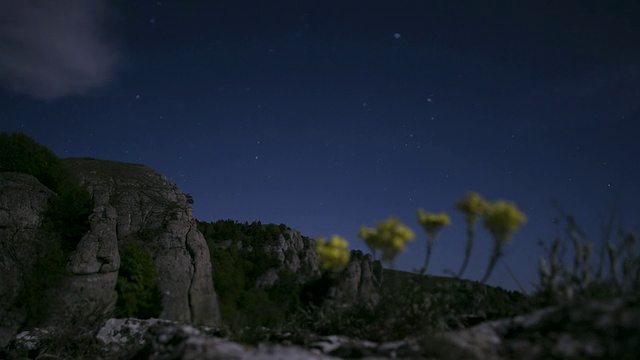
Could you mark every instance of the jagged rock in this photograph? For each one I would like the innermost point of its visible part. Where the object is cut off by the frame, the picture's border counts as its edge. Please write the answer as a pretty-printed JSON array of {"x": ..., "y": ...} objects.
[
  {"x": 131, "y": 202},
  {"x": 187, "y": 343},
  {"x": 267, "y": 279},
  {"x": 22, "y": 201},
  {"x": 359, "y": 282},
  {"x": 126, "y": 335},
  {"x": 134, "y": 202},
  {"x": 589, "y": 330},
  {"x": 295, "y": 252},
  {"x": 156, "y": 339}
]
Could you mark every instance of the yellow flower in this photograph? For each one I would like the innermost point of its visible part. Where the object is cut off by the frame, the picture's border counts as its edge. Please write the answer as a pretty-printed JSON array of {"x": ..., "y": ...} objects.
[
  {"x": 334, "y": 254},
  {"x": 390, "y": 236},
  {"x": 472, "y": 205},
  {"x": 370, "y": 237},
  {"x": 432, "y": 223},
  {"x": 393, "y": 231},
  {"x": 502, "y": 218}
]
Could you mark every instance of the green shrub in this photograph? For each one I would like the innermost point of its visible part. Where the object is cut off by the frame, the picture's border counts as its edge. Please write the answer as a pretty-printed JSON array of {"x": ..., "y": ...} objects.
[
  {"x": 235, "y": 272},
  {"x": 47, "y": 270},
  {"x": 137, "y": 287},
  {"x": 611, "y": 270},
  {"x": 64, "y": 222},
  {"x": 20, "y": 153},
  {"x": 67, "y": 217}
]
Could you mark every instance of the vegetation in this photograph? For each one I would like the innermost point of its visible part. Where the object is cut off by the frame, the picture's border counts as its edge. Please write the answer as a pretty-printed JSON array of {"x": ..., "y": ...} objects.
[
  {"x": 46, "y": 270},
  {"x": 20, "y": 153},
  {"x": 67, "y": 217},
  {"x": 237, "y": 268},
  {"x": 595, "y": 273},
  {"x": 65, "y": 220},
  {"x": 137, "y": 286},
  {"x": 333, "y": 253},
  {"x": 409, "y": 304}
]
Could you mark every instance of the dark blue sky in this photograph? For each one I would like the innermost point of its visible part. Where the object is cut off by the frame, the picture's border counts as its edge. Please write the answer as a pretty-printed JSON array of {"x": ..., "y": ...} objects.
[{"x": 328, "y": 115}]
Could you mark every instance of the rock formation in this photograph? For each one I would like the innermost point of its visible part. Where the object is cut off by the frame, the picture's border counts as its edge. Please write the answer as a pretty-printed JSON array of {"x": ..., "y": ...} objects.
[
  {"x": 22, "y": 201},
  {"x": 357, "y": 283},
  {"x": 294, "y": 253},
  {"x": 131, "y": 202},
  {"x": 134, "y": 202}
]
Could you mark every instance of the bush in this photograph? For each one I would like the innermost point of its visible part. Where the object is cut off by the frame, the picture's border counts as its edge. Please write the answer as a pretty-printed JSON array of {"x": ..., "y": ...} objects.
[
  {"x": 46, "y": 271},
  {"x": 611, "y": 270},
  {"x": 137, "y": 287},
  {"x": 67, "y": 217},
  {"x": 64, "y": 222},
  {"x": 235, "y": 272},
  {"x": 20, "y": 153}
]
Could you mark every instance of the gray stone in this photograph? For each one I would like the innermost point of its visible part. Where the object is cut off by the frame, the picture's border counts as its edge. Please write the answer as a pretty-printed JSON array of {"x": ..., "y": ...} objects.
[
  {"x": 22, "y": 201},
  {"x": 131, "y": 203},
  {"x": 591, "y": 329},
  {"x": 267, "y": 279},
  {"x": 359, "y": 282}
]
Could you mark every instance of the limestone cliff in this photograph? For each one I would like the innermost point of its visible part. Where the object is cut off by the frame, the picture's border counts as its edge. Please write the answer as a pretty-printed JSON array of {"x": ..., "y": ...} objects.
[
  {"x": 359, "y": 282},
  {"x": 133, "y": 201},
  {"x": 22, "y": 201},
  {"x": 130, "y": 202}
]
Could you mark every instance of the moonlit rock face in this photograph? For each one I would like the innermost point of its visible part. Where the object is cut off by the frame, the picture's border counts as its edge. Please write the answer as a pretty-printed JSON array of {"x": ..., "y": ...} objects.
[{"x": 141, "y": 201}]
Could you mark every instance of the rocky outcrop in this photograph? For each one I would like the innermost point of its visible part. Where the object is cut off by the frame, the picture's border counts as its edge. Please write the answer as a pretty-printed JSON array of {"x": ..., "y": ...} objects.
[
  {"x": 359, "y": 282},
  {"x": 589, "y": 330},
  {"x": 292, "y": 250},
  {"x": 22, "y": 201},
  {"x": 133, "y": 202}
]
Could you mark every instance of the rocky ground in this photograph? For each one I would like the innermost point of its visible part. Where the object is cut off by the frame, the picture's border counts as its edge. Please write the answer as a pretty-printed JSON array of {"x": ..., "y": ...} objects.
[{"x": 590, "y": 330}]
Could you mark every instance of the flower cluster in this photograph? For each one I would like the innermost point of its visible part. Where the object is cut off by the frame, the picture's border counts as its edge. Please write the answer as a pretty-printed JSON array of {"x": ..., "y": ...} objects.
[
  {"x": 390, "y": 237},
  {"x": 472, "y": 206},
  {"x": 334, "y": 254},
  {"x": 502, "y": 218},
  {"x": 432, "y": 223}
]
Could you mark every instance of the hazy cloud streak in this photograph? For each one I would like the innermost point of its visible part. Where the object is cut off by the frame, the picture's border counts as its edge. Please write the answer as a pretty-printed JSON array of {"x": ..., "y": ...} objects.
[{"x": 52, "y": 49}]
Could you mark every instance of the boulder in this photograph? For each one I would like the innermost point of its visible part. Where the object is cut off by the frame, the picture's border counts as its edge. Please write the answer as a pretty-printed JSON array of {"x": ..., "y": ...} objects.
[{"x": 605, "y": 329}]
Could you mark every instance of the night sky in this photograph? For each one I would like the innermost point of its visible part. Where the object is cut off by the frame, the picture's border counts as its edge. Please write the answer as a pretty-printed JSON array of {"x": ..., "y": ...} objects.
[{"x": 328, "y": 115}]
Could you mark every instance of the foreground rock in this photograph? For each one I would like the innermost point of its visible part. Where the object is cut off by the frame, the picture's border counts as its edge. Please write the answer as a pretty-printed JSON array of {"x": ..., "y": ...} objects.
[{"x": 593, "y": 330}]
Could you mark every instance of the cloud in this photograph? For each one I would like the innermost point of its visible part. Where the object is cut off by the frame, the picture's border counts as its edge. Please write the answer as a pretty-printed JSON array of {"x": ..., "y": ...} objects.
[{"x": 53, "y": 49}]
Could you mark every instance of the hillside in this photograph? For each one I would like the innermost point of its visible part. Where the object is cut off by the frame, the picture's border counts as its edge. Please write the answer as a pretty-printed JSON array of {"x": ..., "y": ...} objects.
[{"x": 265, "y": 275}]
